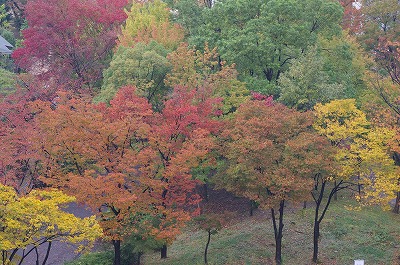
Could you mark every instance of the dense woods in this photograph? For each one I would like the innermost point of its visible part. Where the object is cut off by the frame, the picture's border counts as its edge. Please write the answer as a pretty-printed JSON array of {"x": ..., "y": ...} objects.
[{"x": 136, "y": 108}]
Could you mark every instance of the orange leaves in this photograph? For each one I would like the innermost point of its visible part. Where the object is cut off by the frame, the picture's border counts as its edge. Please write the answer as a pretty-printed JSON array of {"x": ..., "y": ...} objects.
[
  {"x": 125, "y": 160},
  {"x": 271, "y": 153}
]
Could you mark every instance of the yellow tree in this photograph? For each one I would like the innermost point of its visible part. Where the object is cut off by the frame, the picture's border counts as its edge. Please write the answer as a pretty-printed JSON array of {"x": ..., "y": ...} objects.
[
  {"x": 37, "y": 219},
  {"x": 362, "y": 156},
  {"x": 385, "y": 111},
  {"x": 150, "y": 20},
  {"x": 363, "y": 150}
]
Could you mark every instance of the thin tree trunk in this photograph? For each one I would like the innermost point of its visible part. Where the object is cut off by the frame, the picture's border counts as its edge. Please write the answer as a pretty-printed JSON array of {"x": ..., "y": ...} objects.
[
  {"x": 205, "y": 191},
  {"x": 318, "y": 198},
  {"x": 11, "y": 256},
  {"x": 253, "y": 206},
  {"x": 47, "y": 253},
  {"x": 164, "y": 251},
  {"x": 136, "y": 258},
  {"x": 396, "y": 208},
  {"x": 278, "y": 229},
  {"x": 335, "y": 196},
  {"x": 117, "y": 252},
  {"x": 208, "y": 243},
  {"x": 318, "y": 201},
  {"x": 305, "y": 205},
  {"x": 315, "y": 240},
  {"x": 37, "y": 256}
]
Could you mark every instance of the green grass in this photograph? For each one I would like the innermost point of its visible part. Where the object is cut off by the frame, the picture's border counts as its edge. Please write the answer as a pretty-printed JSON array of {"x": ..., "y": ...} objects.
[{"x": 346, "y": 235}]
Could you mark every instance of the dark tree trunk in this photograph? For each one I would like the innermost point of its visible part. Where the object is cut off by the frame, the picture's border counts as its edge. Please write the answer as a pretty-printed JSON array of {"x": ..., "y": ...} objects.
[
  {"x": 206, "y": 249},
  {"x": 315, "y": 237},
  {"x": 136, "y": 258},
  {"x": 205, "y": 192},
  {"x": 117, "y": 252},
  {"x": 318, "y": 196},
  {"x": 305, "y": 205},
  {"x": 335, "y": 196},
  {"x": 253, "y": 206},
  {"x": 47, "y": 253},
  {"x": 164, "y": 251},
  {"x": 37, "y": 256},
  {"x": 396, "y": 208},
  {"x": 278, "y": 229},
  {"x": 11, "y": 256},
  {"x": 317, "y": 219}
]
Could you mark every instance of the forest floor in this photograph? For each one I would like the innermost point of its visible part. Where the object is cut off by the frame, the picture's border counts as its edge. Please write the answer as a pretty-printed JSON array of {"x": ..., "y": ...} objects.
[{"x": 347, "y": 234}]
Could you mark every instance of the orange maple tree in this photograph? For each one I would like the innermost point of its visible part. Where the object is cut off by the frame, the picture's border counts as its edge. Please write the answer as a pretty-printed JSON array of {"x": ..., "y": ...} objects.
[
  {"x": 271, "y": 156},
  {"x": 92, "y": 152},
  {"x": 126, "y": 161}
]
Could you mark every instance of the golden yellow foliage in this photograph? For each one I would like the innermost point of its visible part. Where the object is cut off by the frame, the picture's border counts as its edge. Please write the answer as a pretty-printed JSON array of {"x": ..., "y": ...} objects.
[
  {"x": 363, "y": 150},
  {"x": 36, "y": 218}
]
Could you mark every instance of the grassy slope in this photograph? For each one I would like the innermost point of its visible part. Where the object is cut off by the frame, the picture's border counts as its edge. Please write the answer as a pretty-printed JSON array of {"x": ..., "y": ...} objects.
[{"x": 369, "y": 234}]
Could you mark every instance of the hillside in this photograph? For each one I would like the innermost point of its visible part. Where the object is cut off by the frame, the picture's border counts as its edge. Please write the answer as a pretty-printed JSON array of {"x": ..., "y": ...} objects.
[{"x": 346, "y": 234}]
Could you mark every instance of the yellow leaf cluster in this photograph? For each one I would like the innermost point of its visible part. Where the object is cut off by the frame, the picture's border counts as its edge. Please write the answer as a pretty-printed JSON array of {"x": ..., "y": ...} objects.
[
  {"x": 363, "y": 150},
  {"x": 150, "y": 21},
  {"x": 38, "y": 217}
]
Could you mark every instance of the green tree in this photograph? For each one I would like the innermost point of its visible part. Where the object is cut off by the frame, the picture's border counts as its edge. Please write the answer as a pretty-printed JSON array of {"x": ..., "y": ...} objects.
[
  {"x": 144, "y": 66},
  {"x": 332, "y": 69},
  {"x": 204, "y": 71},
  {"x": 261, "y": 37}
]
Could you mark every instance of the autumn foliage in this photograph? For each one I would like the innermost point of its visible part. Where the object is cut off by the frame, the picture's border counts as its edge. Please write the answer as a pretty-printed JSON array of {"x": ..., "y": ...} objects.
[
  {"x": 126, "y": 161},
  {"x": 69, "y": 41},
  {"x": 127, "y": 106}
]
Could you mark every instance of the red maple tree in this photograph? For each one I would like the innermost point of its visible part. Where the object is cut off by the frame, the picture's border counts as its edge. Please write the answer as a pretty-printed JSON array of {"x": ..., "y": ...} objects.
[{"x": 69, "y": 41}]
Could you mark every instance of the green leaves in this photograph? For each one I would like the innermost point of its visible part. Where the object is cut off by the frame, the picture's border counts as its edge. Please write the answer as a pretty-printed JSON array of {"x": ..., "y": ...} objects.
[
  {"x": 262, "y": 37},
  {"x": 144, "y": 66}
]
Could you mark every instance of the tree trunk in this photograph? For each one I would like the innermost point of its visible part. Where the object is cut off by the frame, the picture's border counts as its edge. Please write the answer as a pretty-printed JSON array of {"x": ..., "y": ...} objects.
[
  {"x": 208, "y": 243},
  {"x": 315, "y": 239},
  {"x": 253, "y": 206},
  {"x": 305, "y": 205},
  {"x": 117, "y": 252},
  {"x": 47, "y": 253},
  {"x": 37, "y": 256},
  {"x": 335, "y": 196},
  {"x": 164, "y": 251},
  {"x": 136, "y": 258},
  {"x": 278, "y": 229},
  {"x": 396, "y": 208},
  {"x": 205, "y": 192},
  {"x": 318, "y": 198}
]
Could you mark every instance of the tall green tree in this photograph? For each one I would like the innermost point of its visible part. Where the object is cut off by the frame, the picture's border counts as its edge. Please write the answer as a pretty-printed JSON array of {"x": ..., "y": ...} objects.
[
  {"x": 332, "y": 69},
  {"x": 260, "y": 37},
  {"x": 144, "y": 66}
]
